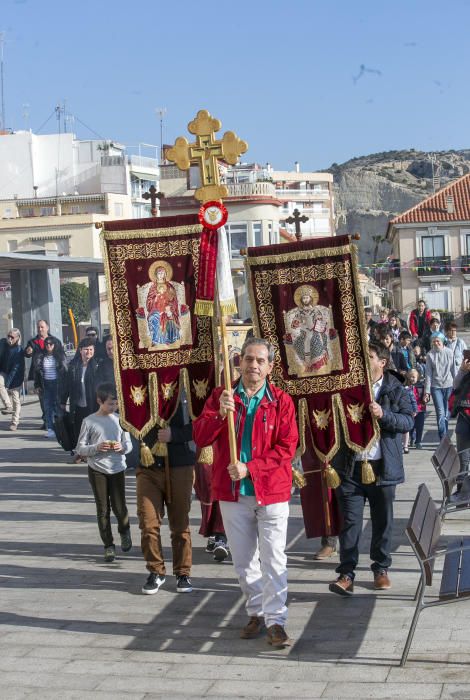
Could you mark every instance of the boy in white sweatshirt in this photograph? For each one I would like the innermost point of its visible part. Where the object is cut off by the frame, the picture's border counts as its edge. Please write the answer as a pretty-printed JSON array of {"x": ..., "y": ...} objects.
[{"x": 104, "y": 443}]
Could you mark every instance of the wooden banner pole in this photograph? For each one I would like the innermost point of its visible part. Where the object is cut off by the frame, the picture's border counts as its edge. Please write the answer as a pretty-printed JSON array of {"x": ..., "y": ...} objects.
[{"x": 232, "y": 438}]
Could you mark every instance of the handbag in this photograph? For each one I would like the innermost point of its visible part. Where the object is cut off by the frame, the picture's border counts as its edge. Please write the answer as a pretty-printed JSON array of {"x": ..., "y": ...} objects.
[{"x": 64, "y": 431}]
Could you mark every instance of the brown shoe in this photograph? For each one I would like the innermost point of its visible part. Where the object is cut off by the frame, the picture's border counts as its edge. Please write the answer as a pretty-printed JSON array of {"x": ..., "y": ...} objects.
[
  {"x": 344, "y": 585},
  {"x": 277, "y": 637},
  {"x": 253, "y": 628},
  {"x": 13, "y": 426},
  {"x": 381, "y": 580},
  {"x": 325, "y": 552}
]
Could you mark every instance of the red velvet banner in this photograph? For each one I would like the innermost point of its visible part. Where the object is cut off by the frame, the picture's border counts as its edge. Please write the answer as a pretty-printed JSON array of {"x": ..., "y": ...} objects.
[
  {"x": 152, "y": 271},
  {"x": 305, "y": 301}
]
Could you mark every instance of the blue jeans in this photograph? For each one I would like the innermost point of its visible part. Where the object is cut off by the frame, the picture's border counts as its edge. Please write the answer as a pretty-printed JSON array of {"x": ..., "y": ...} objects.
[
  {"x": 440, "y": 399},
  {"x": 51, "y": 402}
]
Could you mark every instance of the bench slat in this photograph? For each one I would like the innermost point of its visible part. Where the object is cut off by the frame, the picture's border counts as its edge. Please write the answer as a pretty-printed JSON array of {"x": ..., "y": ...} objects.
[
  {"x": 424, "y": 528},
  {"x": 450, "y": 576},
  {"x": 464, "y": 583},
  {"x": 441, "y": 451}
]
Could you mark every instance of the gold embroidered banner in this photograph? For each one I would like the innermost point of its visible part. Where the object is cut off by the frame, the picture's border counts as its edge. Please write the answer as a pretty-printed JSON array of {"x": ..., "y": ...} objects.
[
  {"x": 160, "y": 344},
  {"x": 305, "y": 301}
]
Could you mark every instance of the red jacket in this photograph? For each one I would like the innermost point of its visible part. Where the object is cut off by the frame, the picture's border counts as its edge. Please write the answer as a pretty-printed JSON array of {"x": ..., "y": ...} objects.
[
  {"x": 274, "y": 441},
  {"x": 414, "y": 321}
]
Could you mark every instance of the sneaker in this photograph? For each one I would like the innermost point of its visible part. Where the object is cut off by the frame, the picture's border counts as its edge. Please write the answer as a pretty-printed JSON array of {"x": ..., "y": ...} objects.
[
  {"x": 109, "y": 553},
  {"x": 405, "y": 450},
  {"x": 277, "y": 637},
  {"x": 210, "y": 544},
  {"x": 7, "y": 411},
  {"x": 381, "y": 580},
  {"x": 51, "y": 434},
  {"x": 253, "y": 628},
  {"x": 418, "y": 446},
  {"x": 126, "y": 541},
  {"x": 221, "y": 550},
  {"x": 153, "y": 583},
  {"x": 183, "y": 584},
  {"x": 325, "y": 552},
  {"x": 344, "y": 585},
  {"x": 13, "y": 426}
]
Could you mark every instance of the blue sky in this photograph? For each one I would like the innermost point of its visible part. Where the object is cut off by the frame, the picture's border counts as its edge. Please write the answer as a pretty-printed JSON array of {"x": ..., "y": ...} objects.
[{"x": 285, "y": 76}]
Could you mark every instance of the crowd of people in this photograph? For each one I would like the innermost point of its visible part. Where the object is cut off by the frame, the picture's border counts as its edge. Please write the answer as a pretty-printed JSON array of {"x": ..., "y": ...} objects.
[{"x": 247, "y": 509}]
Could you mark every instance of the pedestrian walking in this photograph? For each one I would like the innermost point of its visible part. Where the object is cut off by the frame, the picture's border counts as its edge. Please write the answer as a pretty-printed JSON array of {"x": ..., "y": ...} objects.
[
  {"x": 419, "y": 320},
  {"x": 104, "y": 443},
  {"x": 438, "y": 381},
  {"x": 392, "y": 408},
  {"x": 12, "y": 370},
  {"x": 50, "y": 372},
  {"x": 168, "y": 482},
  {"x": 33, "y": 346},
  {"x": 254, "y": 491},
  {"x": 456, "y": 344},
  {"x": 80, "y": 387}
]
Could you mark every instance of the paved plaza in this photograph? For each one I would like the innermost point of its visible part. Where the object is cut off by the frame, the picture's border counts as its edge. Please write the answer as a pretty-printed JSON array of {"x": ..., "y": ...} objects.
[{"x": 75, "y": 627}]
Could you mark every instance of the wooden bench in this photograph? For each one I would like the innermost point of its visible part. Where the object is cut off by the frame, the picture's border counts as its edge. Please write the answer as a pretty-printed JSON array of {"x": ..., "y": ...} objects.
[
  {"x": 445, "y": 461},
  {"x": 423, "y": 531}
]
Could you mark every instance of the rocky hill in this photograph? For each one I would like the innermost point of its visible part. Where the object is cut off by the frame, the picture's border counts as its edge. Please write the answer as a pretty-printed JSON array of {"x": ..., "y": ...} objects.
[{"x": 371, "y": 190}]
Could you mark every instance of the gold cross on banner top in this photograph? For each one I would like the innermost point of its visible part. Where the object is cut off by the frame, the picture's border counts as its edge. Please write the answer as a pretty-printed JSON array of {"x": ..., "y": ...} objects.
[{"x": 205, "y": 152}]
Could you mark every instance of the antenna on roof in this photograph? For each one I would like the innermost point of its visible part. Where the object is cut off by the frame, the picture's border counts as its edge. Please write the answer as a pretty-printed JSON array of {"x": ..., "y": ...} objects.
[
  {"x": 436, "y": 170},
  {"x": 2, "y": 43}
]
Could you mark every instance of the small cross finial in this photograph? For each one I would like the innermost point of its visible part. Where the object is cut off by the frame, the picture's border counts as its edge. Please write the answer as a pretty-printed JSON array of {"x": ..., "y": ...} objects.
[
  {"x": 297, "y": 219},
  {"x": 153, "y": 195}
]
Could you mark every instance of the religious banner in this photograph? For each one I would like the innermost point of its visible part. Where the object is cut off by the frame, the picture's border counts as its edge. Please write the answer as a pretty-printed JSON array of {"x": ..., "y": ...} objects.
[
  {"x": 153, "y": 267},
  {"x": 305, "y": 301}
]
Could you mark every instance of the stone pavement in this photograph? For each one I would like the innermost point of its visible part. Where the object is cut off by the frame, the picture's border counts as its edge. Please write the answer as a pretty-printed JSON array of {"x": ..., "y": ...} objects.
[{"x": 75, "y": 627}]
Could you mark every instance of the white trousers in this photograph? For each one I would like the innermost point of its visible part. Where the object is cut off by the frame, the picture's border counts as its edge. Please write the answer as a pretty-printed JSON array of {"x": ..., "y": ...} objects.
[
  {"x": 11, "y": 399},
  {"x": 257, "y": 538}
]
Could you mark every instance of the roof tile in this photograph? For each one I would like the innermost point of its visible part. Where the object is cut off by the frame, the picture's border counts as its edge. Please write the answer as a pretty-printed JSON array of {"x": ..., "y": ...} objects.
[{"x": 435, "y": 207}]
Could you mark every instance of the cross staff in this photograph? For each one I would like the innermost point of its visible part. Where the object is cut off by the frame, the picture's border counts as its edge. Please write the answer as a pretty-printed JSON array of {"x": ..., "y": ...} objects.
[
  {"x": 205, "y": 152},
  {"x": 297, "y": 219},
  {"x": 153, "y": 195}
]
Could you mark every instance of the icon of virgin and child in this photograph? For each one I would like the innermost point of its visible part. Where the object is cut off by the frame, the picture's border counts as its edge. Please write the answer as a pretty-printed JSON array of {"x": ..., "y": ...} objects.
[
  {"x": 163, "y": 318},
  {"x": 311, "y": 340}
]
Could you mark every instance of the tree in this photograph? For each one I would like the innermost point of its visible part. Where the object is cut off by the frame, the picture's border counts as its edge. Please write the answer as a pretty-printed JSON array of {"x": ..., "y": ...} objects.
[{"x": 75, "y": 296}]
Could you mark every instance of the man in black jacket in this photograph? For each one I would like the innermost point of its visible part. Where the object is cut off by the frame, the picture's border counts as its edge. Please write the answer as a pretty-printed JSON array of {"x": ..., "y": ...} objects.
[
  {"x": 33, "y": 347},
  {"x": 169, "y": 481},
  {"x": 392, "y": 409},
  {"x": 11, "y": 375}
]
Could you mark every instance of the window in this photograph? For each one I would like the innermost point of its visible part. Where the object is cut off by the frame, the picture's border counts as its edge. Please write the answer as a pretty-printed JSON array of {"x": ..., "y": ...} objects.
[
  {"x": 257, "y": 233},
  {"x": 118, "y": 209},
  {"x": 467, "y": 244},
  {"x": 47, "y": 211},
  {"x": 63, "y": 246},
  {"x": 432, "y": 246},
  {"x": 237, "y": 234}
]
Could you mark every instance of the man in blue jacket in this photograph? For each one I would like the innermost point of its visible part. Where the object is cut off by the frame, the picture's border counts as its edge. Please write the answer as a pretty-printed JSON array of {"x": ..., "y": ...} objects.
[
  {"x": 11, "y": 375},
  {"x": 392, "y": 409}
]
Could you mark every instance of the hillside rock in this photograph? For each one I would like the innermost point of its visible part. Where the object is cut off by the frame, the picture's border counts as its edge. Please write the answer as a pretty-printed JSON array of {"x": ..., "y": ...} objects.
[{"x": 372, "y": 189}]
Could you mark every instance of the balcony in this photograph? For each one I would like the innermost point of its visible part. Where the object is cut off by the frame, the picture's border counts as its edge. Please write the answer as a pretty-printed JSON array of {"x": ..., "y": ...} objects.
[
  {"x": 465, "y": 265},
  {"x": 295, "y": 195},
  {"x": 435, "y": 268},
  {"x": 254, "y": 189}
]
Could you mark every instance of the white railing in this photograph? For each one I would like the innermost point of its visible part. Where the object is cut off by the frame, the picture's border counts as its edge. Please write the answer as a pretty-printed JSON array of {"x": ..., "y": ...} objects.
[
  {"x": 143, "y": 162},
  {"x": 265, "y": 189},
  {"x": 303, "y": 194}
]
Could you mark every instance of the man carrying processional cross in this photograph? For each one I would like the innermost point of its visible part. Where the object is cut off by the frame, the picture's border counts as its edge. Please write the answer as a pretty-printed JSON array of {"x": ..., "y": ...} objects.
[{"x": 251, "y": 428}]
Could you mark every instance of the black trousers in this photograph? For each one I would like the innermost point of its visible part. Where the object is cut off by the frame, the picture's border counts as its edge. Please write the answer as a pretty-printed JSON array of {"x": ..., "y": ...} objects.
[
  {"x": 109, "y": 492},
  {"x": 352, "y": 495}
]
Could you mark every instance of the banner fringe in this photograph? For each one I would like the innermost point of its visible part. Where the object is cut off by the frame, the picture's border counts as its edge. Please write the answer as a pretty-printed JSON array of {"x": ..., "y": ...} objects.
[{"x": 204, "y": 307}]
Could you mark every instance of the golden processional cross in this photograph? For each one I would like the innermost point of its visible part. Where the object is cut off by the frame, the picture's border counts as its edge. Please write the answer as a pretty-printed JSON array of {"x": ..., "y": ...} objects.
[{"x": 205, "y": 152}]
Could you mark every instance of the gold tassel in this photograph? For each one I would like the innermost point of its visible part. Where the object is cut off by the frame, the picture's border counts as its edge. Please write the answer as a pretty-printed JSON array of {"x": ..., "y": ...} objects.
[
  {"x": 228, "y": 308},
  {"x": 204, "y": 307},
  {"x": 298, "y": 478},
  {"x": 367, "y": 475},
  {"x": 146, "y": 457},
  {"x": 331, "y": 477},
  {"x": 160, "y": 449},
  {"x": 206, "y": 455}
]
